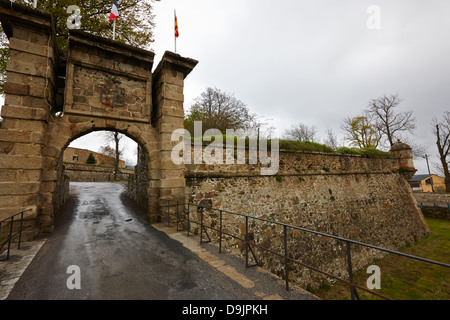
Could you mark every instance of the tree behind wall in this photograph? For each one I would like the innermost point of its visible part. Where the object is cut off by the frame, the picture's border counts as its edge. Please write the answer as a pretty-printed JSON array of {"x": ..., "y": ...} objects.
[
  {"x": 219, "y": 110},
  {"x": 360, "y": 132},
  {"x": 301, "y": 132},
  {"x": 91, "y": 159},
  {"x": 116, "y": 152},
  {"x": 441, "y": 131},
  {"x": 387, "y": 121}
]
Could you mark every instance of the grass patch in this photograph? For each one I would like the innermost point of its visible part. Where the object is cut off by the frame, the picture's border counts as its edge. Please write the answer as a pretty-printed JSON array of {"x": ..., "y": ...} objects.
[
  {"x": 367, "y": 152},
  {"x": 407, "y": 279},
  {"x": 295, "y": 145}
]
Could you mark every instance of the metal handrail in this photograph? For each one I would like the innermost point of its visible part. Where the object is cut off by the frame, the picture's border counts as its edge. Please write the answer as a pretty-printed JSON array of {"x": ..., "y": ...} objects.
[
  {"x": 348, "y": 242},
  {"x": 434, "y": 204},
  {"x": 11, "y": 235}
]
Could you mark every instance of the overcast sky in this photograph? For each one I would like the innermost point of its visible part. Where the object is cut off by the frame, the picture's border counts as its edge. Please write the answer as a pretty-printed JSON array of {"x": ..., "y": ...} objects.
[{"x": 314, "y": 61}]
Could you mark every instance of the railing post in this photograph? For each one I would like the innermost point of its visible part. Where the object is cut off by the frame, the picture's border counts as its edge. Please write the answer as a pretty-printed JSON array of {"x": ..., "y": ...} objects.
[
  {"x": 286, "y": 265},
  {"x": 246, "y": 241},
  {"x": 9, "y": 237},
  {"x": 188, "y": 221},
  {"x": 220, "y": 234},
  {"x": 353, "y": 291},
  {"x": 20, "y": 230},
  {"x": 178, "y": 217},
  {"x": 168, "y": 213},
  {"x": 201, "y": 224}
]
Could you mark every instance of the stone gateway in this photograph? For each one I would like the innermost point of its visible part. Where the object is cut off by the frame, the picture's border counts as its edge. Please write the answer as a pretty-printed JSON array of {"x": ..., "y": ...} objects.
[{"x": 54, "y": 97}]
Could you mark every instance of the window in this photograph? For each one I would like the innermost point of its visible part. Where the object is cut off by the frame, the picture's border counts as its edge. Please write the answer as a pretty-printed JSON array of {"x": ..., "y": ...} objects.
[
  {"x": 428, "y": 181},
  {"x": 75, "y": 158},
  {"x": 415, "y": 184}
]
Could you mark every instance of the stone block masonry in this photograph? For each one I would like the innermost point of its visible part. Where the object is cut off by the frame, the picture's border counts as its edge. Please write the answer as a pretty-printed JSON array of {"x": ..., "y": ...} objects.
[
  {"x": 431, "y": 197},
  {"x": 94, "y": 173},
  {"x": 54, "y": 97},
  {"x": 362, "y": 199},
  {"x": 28, "y": 95}
]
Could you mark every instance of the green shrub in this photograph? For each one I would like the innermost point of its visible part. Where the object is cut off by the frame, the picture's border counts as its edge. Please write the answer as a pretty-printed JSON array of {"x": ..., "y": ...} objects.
[{"x": 91, "y": 159}]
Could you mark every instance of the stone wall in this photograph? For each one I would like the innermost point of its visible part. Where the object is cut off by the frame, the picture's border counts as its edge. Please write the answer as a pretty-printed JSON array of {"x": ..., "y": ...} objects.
[
  {"x": 62, "y": 187},
  {"x": 362, "y": 199},
  {"x": 432, "y": 197},
  {"x": 138, "y": 182},
  {"x": 29, "y": 91},
  {"x": 94, "y": 173},
  {"x": 434, "y": 205}
]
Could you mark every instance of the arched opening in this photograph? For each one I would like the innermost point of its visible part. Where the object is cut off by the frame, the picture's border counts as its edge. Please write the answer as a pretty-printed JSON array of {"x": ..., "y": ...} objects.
[
  {"x": 88, "y": 162},
  {"x": 112, "y": 152}
]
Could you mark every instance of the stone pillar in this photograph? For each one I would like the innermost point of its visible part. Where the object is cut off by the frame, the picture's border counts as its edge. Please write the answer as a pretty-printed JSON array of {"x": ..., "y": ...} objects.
[
  {"x": 167, "y": 116},
  {"x": 404, "y": 155},
  {"x": 28, "y": 100}
]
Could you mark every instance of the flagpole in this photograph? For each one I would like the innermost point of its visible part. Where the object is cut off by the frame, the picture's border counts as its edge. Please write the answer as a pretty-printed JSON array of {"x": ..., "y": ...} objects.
[
  {"x": 114, "y": 30},
  {"x": 175, "y": 35}
]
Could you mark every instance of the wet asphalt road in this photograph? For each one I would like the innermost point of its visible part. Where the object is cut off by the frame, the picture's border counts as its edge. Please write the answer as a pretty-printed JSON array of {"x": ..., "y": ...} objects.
[{"x": 119, "y": 254}]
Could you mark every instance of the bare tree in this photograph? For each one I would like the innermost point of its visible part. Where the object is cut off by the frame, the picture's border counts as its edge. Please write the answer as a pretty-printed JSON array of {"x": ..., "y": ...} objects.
[
  {"x": 361, "y": 132},
  {"x": 387, "y": 121},
  {"x": 107, "y": 151},
  {"x": 441, "y": 131},
  {"x": 113, "y": 138},
  {"x": 438, "y": 168},
  {"x": 331, "y": 140},
  {"x": 260, "y": 128},
  {"x": 301, "y": 132}
]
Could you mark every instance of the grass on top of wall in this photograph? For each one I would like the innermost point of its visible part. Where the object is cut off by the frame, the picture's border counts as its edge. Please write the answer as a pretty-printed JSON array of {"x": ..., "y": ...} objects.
[{"x": 296, "y": 145}]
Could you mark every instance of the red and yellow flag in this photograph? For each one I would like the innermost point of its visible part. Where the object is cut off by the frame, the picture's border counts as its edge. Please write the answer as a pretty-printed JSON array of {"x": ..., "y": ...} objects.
[{"x": 177, "y": 34}]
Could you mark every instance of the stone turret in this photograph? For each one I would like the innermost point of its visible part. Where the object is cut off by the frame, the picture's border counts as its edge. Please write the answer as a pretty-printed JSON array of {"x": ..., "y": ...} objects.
[{"x": 404, "y": 155}]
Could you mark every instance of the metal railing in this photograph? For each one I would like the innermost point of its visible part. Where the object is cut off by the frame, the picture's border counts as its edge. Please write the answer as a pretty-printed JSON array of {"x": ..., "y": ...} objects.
[
  {"x": 11, "y": 234},
  {"x": 182, "y": 214},
  {"x": 434, "y": 204}
]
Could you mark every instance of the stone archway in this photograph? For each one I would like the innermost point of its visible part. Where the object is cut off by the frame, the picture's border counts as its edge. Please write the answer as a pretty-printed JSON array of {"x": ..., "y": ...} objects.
[
  {"x": 52, "y": 97},
  {"x": 148, "y": 187}
]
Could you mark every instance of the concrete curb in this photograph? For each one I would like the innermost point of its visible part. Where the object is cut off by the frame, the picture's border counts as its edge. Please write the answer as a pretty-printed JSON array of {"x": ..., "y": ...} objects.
[{"x": 11, "y": 270}]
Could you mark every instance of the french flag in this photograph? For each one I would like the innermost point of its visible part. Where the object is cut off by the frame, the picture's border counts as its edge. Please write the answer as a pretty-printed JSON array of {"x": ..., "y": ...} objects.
[{"x": 114, "y": 12}]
